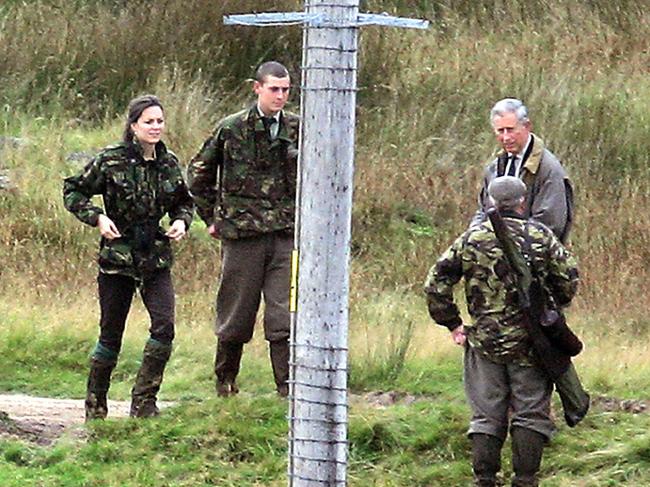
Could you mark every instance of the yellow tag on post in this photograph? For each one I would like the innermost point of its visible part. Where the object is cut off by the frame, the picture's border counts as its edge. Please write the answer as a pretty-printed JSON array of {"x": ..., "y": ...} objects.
[{"x": 293, "y": 290}]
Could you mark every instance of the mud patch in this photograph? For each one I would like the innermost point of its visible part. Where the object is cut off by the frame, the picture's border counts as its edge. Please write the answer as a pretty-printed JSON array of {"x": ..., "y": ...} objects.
[
  {"x": 384, "y": 399},
  {"x": 613, "y": 404}
]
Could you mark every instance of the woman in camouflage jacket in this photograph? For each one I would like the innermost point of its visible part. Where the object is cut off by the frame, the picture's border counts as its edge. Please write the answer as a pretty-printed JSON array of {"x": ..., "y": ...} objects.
[{"x": 140, "y": 181}]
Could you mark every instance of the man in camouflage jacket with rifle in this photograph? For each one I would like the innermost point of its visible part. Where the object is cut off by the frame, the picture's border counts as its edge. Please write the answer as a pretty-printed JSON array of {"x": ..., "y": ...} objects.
[
  {"x": 505, "y": 386},
  {"x": 243, "y": 181}
]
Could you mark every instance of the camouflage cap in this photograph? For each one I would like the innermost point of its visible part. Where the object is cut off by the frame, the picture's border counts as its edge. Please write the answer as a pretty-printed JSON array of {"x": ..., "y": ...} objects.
[{"x": 506, "y": 191}]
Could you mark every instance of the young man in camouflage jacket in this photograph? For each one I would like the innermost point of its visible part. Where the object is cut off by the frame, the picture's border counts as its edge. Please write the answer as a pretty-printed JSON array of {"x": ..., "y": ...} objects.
[
  {"x": 243, "y": 181},
  {"x": 504, "y": 386}
]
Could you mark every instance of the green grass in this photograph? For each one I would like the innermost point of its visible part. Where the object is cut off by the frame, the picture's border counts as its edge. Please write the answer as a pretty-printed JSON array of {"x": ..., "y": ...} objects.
[
  {"x": 197, "y": 443},
  {"x": 243, "y": 442},
  {"x": 204, "y": 440}
]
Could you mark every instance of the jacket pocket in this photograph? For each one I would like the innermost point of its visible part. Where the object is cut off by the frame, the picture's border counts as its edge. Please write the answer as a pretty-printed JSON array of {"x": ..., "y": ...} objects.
[{"x": 115, "y": 253}]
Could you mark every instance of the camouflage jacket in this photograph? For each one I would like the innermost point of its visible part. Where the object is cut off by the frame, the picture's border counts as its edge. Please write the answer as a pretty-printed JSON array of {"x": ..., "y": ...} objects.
[
  {"x": 242, "y": 181},
  {"x": 496, "y": 330},
  {"x": 136, "y": 195}
]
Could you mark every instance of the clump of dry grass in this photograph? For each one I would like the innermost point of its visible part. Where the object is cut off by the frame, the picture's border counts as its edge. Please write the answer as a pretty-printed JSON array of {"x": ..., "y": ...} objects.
[{"x": 92, "y": 57}]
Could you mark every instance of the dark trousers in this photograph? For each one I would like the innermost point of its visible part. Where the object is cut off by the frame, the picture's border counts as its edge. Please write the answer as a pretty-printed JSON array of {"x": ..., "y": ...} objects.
[
  {"x": 115, "y": 297},
  {"x": 252, "y": 268},
  {"x": 502, "y": 393}
]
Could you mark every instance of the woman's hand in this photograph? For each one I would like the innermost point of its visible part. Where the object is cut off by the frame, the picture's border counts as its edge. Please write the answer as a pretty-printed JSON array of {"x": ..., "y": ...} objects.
[
  {"x": 458, "y": 335},
  {"x": 107, "y": 228},
  {"x": 176, "y": 231},
  {"x": 213, "y": 231}
]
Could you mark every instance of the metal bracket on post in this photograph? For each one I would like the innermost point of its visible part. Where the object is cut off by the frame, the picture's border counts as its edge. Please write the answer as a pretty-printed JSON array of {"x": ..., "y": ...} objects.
[
  {"x": 272, "y": 19},
  {"x": 322, "y": 21}
]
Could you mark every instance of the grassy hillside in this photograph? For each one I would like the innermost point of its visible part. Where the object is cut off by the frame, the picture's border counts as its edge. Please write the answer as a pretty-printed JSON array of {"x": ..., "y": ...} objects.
[
  {"x": 580, "y": 66},
  {"x": 68, "y": 69}
]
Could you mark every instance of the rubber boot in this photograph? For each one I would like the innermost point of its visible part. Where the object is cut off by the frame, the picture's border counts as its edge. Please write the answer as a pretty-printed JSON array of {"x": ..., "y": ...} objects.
[
  {"x": 279, "y": 352},
  {"x": 99, "y": 380},
  {"x": 150, "y": 376},
  {"x": 486, "y": 459},
  {"x": 226, "y": 367},
  {"x": 527, "y": 449}
]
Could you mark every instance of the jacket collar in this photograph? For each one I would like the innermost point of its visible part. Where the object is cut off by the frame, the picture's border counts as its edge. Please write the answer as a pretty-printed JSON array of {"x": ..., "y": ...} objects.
[
  {"x": 255, "y": 123},
  {"x": 534, "y": 159},
  {"x": 260, "y": 113},
  {"x": 512, "y": 214},
  {"x": 136, "y": 150}
]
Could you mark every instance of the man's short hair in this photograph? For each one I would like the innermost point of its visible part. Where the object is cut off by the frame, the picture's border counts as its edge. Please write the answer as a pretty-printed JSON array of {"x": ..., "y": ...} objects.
[
  {"x": 507, "y": 192},
  {"x": 510, "y": 105},
  {"x": 270, "y": 68}
]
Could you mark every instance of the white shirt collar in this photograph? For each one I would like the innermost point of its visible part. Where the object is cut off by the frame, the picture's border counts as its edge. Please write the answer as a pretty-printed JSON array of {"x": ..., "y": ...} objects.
[
  {"x": 518, "y": 159},
  {"x": 525, "y": 148},
  {"x": 275, "y": 115}
]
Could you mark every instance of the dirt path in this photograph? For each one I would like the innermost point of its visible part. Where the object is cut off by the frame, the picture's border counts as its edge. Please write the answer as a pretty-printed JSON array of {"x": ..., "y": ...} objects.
[{"x": 43, "y": 420}]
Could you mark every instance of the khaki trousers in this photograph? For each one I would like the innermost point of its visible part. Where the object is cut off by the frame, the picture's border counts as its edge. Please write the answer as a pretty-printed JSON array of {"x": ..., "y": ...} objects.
[{"x": 252, "y": 268}]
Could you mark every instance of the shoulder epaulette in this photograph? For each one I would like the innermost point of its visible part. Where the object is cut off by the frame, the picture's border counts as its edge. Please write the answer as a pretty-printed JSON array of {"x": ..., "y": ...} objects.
[
  {"x": 235, "y": 118},
  {"x": 112, "y": 152}
]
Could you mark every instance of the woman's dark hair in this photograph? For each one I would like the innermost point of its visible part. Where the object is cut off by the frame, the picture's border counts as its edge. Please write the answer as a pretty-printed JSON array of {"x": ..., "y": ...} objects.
[{"x": 135, "y": 109}]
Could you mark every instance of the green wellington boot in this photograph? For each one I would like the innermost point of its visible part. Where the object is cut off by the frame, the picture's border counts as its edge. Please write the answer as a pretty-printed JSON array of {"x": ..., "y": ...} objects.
[
  {"x": 226, "y": 367},
  {"x": 99, "y": 380},
  {"x": 527, "y": 449},
  {"x": 150, "y": 376},
  {"x": 279, "y": 352},
  {"x": 486, "y": 459}
]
